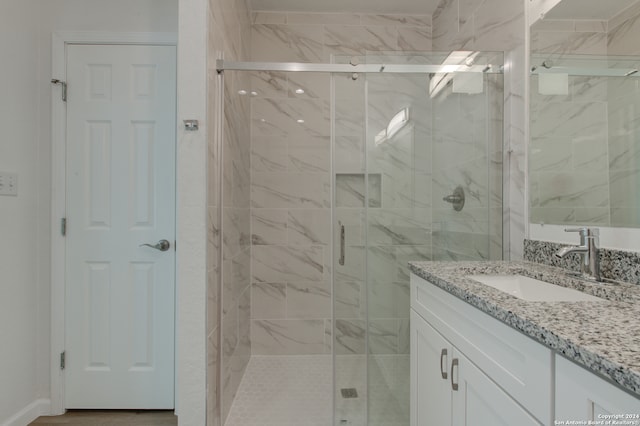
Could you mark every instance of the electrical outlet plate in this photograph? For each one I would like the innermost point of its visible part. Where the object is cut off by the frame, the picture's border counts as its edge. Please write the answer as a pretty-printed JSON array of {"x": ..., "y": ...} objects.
[{"x": 8, "y": 183}]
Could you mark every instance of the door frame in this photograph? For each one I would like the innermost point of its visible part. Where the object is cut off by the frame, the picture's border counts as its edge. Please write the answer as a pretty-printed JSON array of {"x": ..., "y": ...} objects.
[{"x": 59, "y": 42}]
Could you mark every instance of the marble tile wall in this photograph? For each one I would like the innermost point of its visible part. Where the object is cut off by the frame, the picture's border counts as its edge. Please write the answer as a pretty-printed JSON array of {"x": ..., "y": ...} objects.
[
  {"x": 290, "y": 214},
  {"x": 569, "y": 157},
  {"x": 494, "y": 196},
  {"x": 291, "y": 196},
  {"x": 469, "y": 156},
  {"x": 229, "y": 289},
  {"x": 560, "y": 37},
  {"x": 314, "y": 37},
  {"x": 624, "y": 128},
  {"x": 583, "y": 142},
  {"x": 399, "y": 225},
  {"x": 623, "y": 32},
  {"x": 568, "y": 147}
]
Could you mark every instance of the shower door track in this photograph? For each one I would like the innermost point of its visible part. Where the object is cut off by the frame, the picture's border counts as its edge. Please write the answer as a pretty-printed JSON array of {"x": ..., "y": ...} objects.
[{"x": 222, "y": 65}]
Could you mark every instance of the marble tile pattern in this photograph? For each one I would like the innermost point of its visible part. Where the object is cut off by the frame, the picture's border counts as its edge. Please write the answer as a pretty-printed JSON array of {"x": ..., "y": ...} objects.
[
  {"x": 559, "y": 37},
  {"x": 469, "y": 156},
  {"x": 314, "y": 37},
  {"x": 600, "y": 336},
  {"x": 495, "y": 25},
  {"x": 228, "y": 284},
  {"x": 583, "y": 144},
  {"x": 623, "y": 30},
  {"x": 291, "y": 196},
  {"x": 290, "y": 192},
  {"x": 568, "y": 167},
  {"x": 618, "y": 265}
]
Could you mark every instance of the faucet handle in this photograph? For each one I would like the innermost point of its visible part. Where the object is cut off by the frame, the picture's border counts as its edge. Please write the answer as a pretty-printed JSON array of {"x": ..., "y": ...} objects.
[
  {"x": 582, "y": 229},
  {"x": 583, "y": 233}
]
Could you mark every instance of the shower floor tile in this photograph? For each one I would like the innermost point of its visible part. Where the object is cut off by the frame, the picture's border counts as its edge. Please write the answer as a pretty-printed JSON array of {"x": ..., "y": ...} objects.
[
  {"x": 284, "y": 391},
  {"x": 296, "y": 391}
]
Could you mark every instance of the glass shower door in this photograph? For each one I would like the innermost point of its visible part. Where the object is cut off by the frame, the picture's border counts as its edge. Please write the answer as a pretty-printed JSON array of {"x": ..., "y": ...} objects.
[
  {"x": 349, "y": 278},
  {"x": 404, "y": 146},
  {"x": 399, "y": 151},
  {"x": 467, "y": 158}
]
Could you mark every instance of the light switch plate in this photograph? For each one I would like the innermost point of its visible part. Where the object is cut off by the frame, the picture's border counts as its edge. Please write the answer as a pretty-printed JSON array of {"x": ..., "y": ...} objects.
[{"x": 8, "y": 183}]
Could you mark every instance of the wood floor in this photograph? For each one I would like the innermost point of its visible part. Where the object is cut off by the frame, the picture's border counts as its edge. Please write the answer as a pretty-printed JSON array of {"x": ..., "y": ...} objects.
[{"x": 109, "y": 418}]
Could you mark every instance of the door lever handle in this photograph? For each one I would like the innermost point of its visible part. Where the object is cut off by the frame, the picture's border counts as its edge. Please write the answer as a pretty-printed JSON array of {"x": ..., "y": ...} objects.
[{"x": 162, "y": 245}]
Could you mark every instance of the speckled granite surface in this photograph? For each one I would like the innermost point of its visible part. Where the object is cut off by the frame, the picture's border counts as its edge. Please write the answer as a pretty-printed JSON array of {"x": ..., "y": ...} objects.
[
  {"x": 604, "y": 336},
  {"x": 616, "y": 265}
]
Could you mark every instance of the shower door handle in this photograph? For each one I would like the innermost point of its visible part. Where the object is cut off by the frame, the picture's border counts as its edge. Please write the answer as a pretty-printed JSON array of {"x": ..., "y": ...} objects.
[{"x": 341, "y": 260}]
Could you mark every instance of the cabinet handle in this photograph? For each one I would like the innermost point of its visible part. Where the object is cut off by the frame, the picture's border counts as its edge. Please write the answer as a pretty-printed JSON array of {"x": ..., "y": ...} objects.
[
  {"x": 454, "y": 364},
  {"x": 443, "y": 371}
]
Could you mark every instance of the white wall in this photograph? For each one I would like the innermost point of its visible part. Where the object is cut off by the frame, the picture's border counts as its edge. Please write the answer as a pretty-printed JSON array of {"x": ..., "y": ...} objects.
[
  {"x": 18, "y": 224},
  {"x": 192, "y": 207},
  {"x": 25, "y": 110}
]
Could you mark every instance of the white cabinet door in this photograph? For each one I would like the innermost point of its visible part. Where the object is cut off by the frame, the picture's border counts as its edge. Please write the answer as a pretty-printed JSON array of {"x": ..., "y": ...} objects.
[
  {"x": 583, "y": 396},
  {"x": 478, "y": 401},
  {"x": 430, "y": 375}
]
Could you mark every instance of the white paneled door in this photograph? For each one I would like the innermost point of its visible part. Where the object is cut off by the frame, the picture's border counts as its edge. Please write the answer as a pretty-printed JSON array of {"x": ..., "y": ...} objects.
[{"x": 120, "y": 294}]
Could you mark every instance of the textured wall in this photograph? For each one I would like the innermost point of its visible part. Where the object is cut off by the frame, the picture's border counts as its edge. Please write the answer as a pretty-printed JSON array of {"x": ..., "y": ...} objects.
[{"x": 229, "y": 32}]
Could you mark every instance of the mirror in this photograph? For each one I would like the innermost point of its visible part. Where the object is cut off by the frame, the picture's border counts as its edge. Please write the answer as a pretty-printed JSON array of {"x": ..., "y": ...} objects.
[{"x": 584, "y": 151}]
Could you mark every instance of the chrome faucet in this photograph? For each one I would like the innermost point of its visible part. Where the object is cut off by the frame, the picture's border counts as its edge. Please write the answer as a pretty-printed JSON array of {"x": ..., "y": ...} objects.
[{"x": 588, "y": 249}]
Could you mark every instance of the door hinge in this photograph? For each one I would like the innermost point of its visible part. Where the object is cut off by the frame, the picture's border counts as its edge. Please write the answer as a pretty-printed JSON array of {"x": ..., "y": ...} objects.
[
  {"x": 63, "y": 360},
  {"x": 63, "y": 226},
  {"x": 63, "y": 84}
]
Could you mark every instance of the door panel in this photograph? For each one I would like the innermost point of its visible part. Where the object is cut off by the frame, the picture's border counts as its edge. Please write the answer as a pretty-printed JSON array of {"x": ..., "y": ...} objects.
[
  {"x": 480, "y": 402},
  {"x": 430, "y": 389},
  {"x": 120, "y": 296}
]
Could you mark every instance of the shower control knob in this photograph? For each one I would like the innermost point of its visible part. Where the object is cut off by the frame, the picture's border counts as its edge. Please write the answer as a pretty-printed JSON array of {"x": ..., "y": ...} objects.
[{"x": 456, "y": 199}]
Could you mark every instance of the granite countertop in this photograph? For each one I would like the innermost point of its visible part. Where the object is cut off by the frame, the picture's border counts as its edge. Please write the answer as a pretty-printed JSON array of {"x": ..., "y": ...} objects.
[{"x": 604, "y": 337}]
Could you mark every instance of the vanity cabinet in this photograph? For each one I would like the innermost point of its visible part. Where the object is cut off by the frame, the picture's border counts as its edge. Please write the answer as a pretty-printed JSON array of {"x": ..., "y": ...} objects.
[
  {"x": 448, "y": 389},
  {"x": 581, "y": 395},
  {"x": 502, "y": 376}
]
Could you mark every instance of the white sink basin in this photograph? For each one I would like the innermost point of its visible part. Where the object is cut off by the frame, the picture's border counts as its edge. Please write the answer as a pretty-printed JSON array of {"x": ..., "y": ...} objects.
[{"x": 533, "y": 290}]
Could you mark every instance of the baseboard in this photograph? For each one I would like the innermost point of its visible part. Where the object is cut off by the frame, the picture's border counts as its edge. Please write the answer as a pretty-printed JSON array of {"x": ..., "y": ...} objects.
[{"x": 39, "y": 407}]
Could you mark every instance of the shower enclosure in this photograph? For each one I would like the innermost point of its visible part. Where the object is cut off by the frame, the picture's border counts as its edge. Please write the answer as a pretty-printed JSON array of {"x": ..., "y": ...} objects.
[{"x": 333, "y": 177}]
